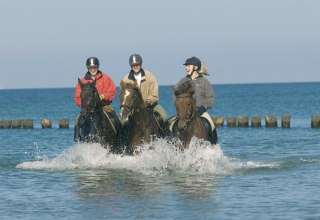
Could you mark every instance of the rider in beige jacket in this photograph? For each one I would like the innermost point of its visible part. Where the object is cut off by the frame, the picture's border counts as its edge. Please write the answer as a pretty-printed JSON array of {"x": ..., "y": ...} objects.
[{"x": 147, "y": 82}]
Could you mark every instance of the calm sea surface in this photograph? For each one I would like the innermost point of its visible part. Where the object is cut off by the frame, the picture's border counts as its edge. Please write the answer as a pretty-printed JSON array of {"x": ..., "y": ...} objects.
[{"x": 253, "y": 173}]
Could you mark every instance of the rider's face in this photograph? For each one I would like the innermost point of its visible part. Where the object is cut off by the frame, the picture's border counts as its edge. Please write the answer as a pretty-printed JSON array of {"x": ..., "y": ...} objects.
[
  {"x": 136, "y": 68},
  {"x": 189, "y": 69},
  {"x": 93, "y": 70}
]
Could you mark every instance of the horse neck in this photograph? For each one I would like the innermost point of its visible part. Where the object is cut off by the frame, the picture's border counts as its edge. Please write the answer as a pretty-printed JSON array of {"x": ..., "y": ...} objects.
[
  {"x": 138, "y": 102},
  {"x": 94, "y": 112}
]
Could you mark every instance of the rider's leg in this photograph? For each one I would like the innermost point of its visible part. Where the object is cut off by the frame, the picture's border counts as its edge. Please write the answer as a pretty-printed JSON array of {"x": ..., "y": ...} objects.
[
  {"x": 108, "y": 108},
  {"x": 209, "y": 119},
  {"x": 213, "y": 133},
  {"x": 158, "y": 108},
  {"x": 171, "y": 122}
]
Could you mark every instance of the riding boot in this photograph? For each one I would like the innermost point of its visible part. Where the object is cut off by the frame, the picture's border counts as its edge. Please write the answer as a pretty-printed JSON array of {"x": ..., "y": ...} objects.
[{"x": 213, "y": 136}]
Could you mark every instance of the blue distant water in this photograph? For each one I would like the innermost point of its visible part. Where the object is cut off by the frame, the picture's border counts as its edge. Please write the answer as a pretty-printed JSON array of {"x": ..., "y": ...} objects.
[{"x": 253, "y": 173}]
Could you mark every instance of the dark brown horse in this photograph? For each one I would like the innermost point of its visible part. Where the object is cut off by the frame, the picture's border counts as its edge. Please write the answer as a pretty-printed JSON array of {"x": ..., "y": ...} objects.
[
  {"x": 93, "y": 124},
  {"x": 140, "y": 124},
  {"x": 188, "y": 124}
]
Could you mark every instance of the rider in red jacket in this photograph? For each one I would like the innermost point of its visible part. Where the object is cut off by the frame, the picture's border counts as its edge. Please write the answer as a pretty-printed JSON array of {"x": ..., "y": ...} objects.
[
  {"x": 104, "y": 84},
  {"x": 106, "y": 89}
]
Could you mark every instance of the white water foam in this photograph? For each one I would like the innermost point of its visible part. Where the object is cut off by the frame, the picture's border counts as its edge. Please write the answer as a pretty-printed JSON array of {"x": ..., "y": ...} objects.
[{"x": 156, "y": 158}]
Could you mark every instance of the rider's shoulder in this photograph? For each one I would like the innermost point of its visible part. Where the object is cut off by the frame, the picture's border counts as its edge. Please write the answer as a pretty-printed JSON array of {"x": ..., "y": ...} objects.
[{"x": 149, "y": 75}]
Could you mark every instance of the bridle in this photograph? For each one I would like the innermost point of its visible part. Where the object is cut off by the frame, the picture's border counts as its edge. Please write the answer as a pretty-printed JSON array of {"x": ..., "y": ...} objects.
[
  {"x": 133, "y": 107},
  {"x": 96, "y": 102},
  {"x": 190, "y": 113}
]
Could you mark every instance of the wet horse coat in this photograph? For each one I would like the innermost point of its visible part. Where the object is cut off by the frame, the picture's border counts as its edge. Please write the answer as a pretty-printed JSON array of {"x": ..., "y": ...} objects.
[
  {"x": 140, "y": 124},
  {"x": 93, "y": 124}
]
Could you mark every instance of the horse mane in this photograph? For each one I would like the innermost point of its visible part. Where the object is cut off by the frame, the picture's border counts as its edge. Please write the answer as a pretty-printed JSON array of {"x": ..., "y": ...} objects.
[
  {"x": 186, "y": 87},
  {"x": 131, "y": 85},
  {"x": 83, "y": 84}
]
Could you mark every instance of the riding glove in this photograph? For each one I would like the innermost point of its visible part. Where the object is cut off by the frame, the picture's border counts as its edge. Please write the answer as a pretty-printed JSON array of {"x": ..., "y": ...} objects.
[{"x": 200, "y": 110}]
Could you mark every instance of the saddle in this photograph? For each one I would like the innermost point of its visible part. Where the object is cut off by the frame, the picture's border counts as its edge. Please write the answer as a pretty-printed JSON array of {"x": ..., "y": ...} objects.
[{"x": 172, "y": 123}]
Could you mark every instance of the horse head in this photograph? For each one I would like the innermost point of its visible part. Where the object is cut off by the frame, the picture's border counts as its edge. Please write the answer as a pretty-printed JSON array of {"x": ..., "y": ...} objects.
[
  {"x": 130, "y": 99},
  {"x": 90, "y": 100},
  {"x": 185, "y": 104}
]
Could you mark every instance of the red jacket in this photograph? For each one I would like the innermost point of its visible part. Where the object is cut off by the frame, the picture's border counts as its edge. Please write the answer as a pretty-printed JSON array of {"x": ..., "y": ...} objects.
[{"x": 104, "y": 85}]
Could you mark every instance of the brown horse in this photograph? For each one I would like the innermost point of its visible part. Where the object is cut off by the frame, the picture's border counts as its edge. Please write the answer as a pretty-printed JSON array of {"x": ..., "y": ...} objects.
[
  {"x": 188, "y": 124},
  {"x": 140, "y": 124}
]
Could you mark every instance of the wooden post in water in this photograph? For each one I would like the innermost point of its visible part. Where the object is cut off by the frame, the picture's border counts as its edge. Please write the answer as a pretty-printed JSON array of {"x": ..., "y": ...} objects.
[
  {"x": 271, "y": 121},
  {"x": 256, "y": 121},
  {"x": 46, "y": 123},
  {"x": 16, "y": 123},
  {"x": 243, "y": 121},
  {"x": 315, "y": 121},
  {"x": 285, "y": 121},
  {"x": 64, "y": 123},
  {"x": 27, "y": 123},
  {"x": 231, "y": 121},
  {"x": 5, "y": 124},
  {"x": 218, "y": 121}
]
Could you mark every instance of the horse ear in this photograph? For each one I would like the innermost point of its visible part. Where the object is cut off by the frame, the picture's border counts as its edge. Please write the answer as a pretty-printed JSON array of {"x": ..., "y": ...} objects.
[
  {"x": 94, "y": 82},
  {"x": 80, "y": 83}
]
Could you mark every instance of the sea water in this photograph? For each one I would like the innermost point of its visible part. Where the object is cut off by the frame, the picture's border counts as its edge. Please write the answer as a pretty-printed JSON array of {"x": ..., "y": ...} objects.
[{"x": 253, "y": 173}]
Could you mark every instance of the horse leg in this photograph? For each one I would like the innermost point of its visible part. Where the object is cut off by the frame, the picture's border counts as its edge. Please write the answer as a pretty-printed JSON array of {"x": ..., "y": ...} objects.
[{"x": 76, "y": 133}]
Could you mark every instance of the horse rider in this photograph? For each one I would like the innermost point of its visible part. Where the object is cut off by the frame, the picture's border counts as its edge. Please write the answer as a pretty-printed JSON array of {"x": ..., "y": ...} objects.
[
  {"x": 147, "y": 83},
  {"x": 203, "y": 90},
  {"x": 105, "y": 87}
]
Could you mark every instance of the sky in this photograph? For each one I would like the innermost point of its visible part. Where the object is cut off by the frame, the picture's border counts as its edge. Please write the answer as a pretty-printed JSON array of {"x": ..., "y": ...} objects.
[{"x": 45, "y": 44}]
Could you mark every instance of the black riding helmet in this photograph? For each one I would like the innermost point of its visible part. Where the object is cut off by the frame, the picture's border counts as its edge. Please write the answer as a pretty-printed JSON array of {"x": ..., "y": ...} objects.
[
  {"x": 193, "y": 61},
  {"x": 92, "y": 62},
  {"x": 135, "y": 59}
]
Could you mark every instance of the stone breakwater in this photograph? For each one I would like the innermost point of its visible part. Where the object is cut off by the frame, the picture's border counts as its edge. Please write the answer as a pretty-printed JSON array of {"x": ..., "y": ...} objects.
[{"x": 271, "y": 121}]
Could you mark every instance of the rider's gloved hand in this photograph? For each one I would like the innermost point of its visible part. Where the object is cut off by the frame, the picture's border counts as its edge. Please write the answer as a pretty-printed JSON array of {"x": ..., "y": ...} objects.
[
  {"x": 148, "y": 103},
  {"x": 102, "y": 96},
  {"x": 200, "y": 110}
]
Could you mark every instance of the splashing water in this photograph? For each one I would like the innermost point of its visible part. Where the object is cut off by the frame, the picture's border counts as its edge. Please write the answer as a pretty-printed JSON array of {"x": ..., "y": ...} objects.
[{"x": 156, "y": 158}]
